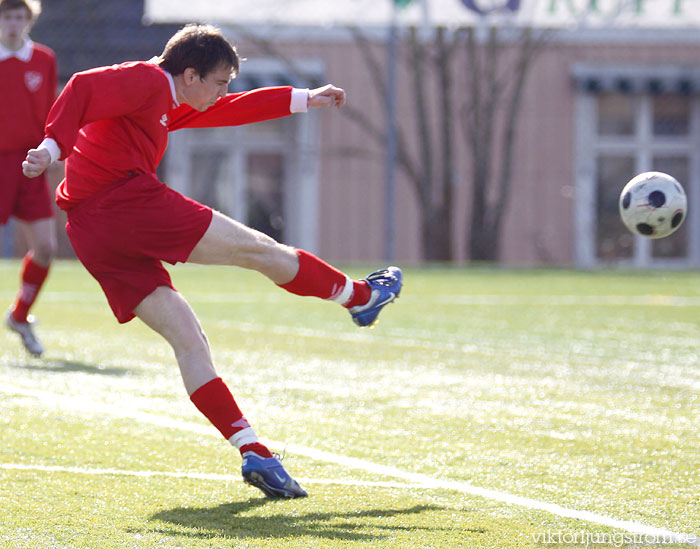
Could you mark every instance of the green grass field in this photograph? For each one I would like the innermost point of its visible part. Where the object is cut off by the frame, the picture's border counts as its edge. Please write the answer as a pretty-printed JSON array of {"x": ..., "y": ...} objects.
[{"x": 489, "y": 408}]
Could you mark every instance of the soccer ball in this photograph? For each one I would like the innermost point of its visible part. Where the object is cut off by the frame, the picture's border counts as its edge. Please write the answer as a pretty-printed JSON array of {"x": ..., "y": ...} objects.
[{"x": 653, "y": 205}]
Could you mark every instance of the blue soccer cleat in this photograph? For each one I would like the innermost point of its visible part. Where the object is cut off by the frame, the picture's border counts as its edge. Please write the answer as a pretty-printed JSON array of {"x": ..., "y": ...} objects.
[
  {"x": 268, "y": 475},
  {"x": 386, "y": 287}
]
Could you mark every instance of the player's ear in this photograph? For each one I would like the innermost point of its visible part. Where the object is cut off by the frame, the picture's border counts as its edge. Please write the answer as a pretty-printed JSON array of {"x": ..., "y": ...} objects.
[{"x": 190, "y": 75}]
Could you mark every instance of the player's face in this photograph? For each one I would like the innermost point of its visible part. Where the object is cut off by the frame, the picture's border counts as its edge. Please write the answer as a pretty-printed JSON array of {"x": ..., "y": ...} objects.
[
  {"x": 204, "y": 92},
  {"x": 14, "y": 25}
]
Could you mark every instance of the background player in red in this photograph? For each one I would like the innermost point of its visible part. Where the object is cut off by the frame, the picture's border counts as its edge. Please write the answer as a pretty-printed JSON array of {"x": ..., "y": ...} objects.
[
  {"x": 111, "y": 124},
  {"x": 27, "y": 90}
]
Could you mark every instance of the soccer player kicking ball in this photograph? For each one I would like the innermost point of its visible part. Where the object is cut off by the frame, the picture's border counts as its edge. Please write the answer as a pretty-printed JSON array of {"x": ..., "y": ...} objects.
[
  {"x": 111, "y": 125},
  {"x": 27, "y": 90}
]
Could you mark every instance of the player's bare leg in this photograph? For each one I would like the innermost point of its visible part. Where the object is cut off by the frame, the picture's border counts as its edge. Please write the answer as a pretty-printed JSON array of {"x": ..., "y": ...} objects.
[
  {"x": 167, "y": 312},
  {"x": 228, "y": 242},
  {"x": 41, "y": 237}
]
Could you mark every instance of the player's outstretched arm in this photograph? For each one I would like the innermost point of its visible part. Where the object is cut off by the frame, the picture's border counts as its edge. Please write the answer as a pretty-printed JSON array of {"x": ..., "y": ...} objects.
[
  {"x": 36, "y": 162},
  {"x": 327, "y": 96}
]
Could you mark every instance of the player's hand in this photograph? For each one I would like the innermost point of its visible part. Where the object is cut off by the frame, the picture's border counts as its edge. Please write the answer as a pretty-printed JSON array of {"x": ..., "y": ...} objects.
[
  {"x": 36, "y": 162},
  {"x": 327, "y": 96}
]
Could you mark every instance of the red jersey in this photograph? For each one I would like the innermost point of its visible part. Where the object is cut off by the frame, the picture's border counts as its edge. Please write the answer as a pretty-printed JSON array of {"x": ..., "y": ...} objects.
[
  {"x": 112, "y": 123},
  {"x": 27, "y": 88}
]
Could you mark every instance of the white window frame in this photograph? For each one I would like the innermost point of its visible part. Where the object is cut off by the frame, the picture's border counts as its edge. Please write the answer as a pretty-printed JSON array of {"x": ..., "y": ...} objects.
[
  {"x": 643, "y": 147},
  {"x": 301, "y": 156}
]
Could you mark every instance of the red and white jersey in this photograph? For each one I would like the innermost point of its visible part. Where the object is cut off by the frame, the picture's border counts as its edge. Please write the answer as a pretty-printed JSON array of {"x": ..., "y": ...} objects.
[
  {"x": 111, "y": 123},
  {"x": 27, "y": 90}
]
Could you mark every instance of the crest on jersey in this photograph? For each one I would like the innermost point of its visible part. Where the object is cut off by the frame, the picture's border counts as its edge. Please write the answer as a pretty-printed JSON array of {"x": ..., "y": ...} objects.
[{"x": 33, "y": 80}]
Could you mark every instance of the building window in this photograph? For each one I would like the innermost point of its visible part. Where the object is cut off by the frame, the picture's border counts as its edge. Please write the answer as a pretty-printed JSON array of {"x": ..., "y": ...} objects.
[
  {"x": 240, "y": 171},
  {"x": 265, "y": 175},
  {"x": 620, "y": 133},
  {"x": 616, "y": 114},
  {"x": 613, "y": 240},
  {"x": 265, "y": 194},
  {"x": 671, "y": 115}
]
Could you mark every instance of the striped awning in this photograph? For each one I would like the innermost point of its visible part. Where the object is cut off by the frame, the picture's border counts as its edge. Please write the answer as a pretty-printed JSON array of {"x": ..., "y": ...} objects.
[{"x": 637, "y": 79}]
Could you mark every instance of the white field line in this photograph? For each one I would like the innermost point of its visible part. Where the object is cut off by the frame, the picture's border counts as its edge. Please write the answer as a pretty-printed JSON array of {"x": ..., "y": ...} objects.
[
  {"x": 416, "y": 480},
  {"x": 496, "y": 300},
  {"x": 187, "y": 475},
  {"x": 567, "y": 300}
]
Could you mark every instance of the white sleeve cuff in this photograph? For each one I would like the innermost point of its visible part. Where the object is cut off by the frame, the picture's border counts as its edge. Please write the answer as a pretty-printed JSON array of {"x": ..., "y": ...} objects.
[
  {"x": 53, "y": 148},
  {"x": 300, "y": 100}
]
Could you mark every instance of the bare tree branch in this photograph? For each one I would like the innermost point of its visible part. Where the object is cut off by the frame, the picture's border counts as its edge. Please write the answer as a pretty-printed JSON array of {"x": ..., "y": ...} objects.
[
  {"x": 404, "y": 158},
  {"x": 446, "y": 52},
  {"x": 267, "y": 47},
  {"x": 472, "y": 113},
  {"x": 529, "y": 47},
  {"x": 421, "y": 110},
  {"x": 373, "y": 64},
  {"x": 489, "y": 115}
]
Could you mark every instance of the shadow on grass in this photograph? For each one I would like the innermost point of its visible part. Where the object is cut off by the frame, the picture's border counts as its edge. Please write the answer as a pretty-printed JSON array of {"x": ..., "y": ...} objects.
[
  {"x": 49, "y": 365},
  {"x": 229, "y": 520}
]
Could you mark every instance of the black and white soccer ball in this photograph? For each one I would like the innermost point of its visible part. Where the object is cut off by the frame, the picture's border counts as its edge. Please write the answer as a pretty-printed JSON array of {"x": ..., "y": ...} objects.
[{"x": 653, "y": 205}]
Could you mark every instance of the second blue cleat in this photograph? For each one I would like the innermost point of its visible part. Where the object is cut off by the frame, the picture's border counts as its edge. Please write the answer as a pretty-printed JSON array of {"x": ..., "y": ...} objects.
[
  {"x": 268, "y": 475},
  {"x": 386, "y": 287}
]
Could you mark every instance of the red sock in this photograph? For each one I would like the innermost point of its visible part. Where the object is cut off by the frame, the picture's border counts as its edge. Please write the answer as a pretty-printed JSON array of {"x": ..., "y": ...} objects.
[
  {"x": 216, "y": 402},
  {"x": 258, "y": 448},
  {"x": 360, "y": 294},
  {"x": 32, "y": 276},
  {"x": 317, "y": 278}
]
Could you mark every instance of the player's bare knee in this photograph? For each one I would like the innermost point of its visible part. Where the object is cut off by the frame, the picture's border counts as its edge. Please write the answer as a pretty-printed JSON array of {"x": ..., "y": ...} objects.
[
  {"x": 195, "y": 344},
  {"x": 44, "y": 252}
]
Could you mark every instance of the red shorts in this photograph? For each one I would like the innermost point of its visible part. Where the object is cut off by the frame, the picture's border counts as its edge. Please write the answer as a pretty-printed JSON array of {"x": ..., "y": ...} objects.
[
  {"x": 123, "y": 232},
  {"x": 26, "y": 199}
]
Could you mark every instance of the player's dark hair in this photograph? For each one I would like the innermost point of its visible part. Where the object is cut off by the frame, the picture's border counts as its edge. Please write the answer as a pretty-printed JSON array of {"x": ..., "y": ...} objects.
[
  {"x": 201, "y": 47},
  {"x": 33, "y": 7}
]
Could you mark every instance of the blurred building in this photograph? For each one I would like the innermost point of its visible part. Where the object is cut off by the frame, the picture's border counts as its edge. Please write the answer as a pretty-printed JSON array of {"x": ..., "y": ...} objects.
[{"x": 602, "y": 103}]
